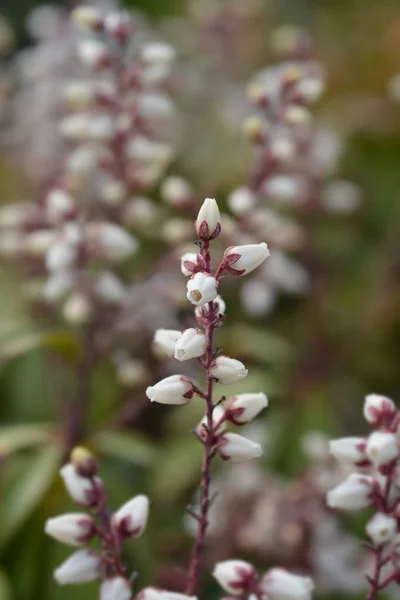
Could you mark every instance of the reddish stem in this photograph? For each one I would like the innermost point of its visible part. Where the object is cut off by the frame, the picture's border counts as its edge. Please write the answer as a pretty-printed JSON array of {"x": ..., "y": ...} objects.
[{"x": 208, "y": 442}]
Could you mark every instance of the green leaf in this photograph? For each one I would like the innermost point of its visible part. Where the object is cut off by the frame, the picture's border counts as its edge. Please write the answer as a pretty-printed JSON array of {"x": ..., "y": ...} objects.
[
  {"x": 32, "y": 483},
  {"x": 16, "y": 437},
  {"x": 132, "y": 447},
  {"x": 5, "y": 588}
]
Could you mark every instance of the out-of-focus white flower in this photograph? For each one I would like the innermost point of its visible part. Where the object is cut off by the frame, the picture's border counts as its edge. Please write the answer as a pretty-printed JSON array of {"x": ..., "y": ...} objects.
[
  {"x": 258, "y": 298},
  {"x": 79, "y": 488},
  {"x": 139, "y": 212},
  {"x": 237, "y": 448},
  {"x": 189, "y": 263},
  {"x": 112, "y": 192},
  {"x": 382, "y": 447},
  {"x": 115, "y": 588},
  {"x": 352, "y": 494},
  {"x": 177, "y": 230},
  {"x": 234, "y": 576},
  {"x": 74, "y": 529},
  {"x": 118, "y": 24},
  {"x": 77, "y": 309},
  {"x": 297, "y": 115},
  {"x": 145, "y": 150},
  {"x": 130, "y": 520},
  {"x": 244, "y": 259},
  {"x": 282, "y": 149},
  {"x": 101, "y": 128},
  {"x": 176, "y": 191},
  {"x": 59, "y": 205},
  {"x": 152, "y": 593},
  {"x": 190, "y": 344},
  {"x": 349, "y": 449},
  {"x": 164, "y": 342},
  {"x": 75, "y": 127},
  {"x": 176, "y": 389},
  {"x": 156, "y": 53},
  {"x": 93, "y": 53},
  {"x": 132, "y": 373},
  {"x": 109, "y": 288},
  {"x": 81, "y": 567},
  {"x": 378, "y": 409},
  {"x": 341, "y": 197},
  {"x": 110, "y": 241},
  {"x": 241, "y": 201},
  {"x": 286, "y": 189},
  {"x": 57, "y": 286},
  {"x": 228, "y": 370},
  {"x": 201, "y": 288},
  {"x": 208, "y": 222},
  {"x": 14, "y": 215},
  {"x": 382, "y": 528},
  {"x": 155, "y": 106},
  {"x": 244, "y": 407},
  {"x": 88, "y": 17},
  {"x": 279, "y": 584},
  {"x": 38, "y": 242},
  {"x": 394, "y": 87}
]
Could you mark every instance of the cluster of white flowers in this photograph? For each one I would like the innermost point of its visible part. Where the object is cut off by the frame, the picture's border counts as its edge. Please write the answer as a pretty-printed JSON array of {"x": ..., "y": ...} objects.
[
  {"x": 374, "y": 481},
  {"x": 77, "y": 529}
]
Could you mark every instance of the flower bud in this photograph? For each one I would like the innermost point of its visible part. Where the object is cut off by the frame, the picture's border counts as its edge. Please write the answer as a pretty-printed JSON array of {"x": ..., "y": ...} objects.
[
  {"x": 59, "y": 205},
  {"x": 352, "y": 494},
  {"x": 75, "y": 127},
  {"x": 84, "y": 462},
  {"x": 130, "y": 520},
  {"x": 79, "y": 488},
  {"x": 164, "y": 342},
  {"x": 139, "y": 212},
  {"x": 189, "y": 263},
  {"x": 88, "y": 17},
  {"x": 81, "y": 567},
  {"x": 241, "y": 260},
  {"x": 176, "y": 389},
  {"x": 38, "y": 242},
  {"x": 349, "y": 450},
  {"x": 382, "y": 448},
  {"x": 381, "y": 528},
  {"x": 201, "y": 312},
  {"x": 279, "y": 584},
  {"x": 208, "y": 222},
  {"x": 118, "y": 25},
  {"x": 241, "y": 201},
  {"x": 235, "y": 576},
  {"x": 109, "y": 288},
  {"x": 218, "y": 423},
  {"x": 243, "y": 408},
  {"x": 93, "y": 53},
  {"x": 110, "y": 241},
  {"x": 201, "y": 288},
  {"x": 238, "y": 448},
  {"x": 74, "y": 529},
  {"x": 57, "y": 286},
  {"x": 191, "y": 344},
  {"x": 77, "y": 310},
  {"x": 228, "y": 370},
  {"x": 175, "y": 191},
  {"x": 379, "y": 410},
  {"x": 115, "y": 588}
]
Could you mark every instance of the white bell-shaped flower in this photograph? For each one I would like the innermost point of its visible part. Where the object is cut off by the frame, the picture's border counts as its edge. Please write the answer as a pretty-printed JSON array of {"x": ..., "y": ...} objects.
[
  {"x": 352, "y": 494},
  {"x": 73, "y": 529},
  {"x": 115, "y": 588},
  {"x": 234, "y": 576},
  {"x": 244, "y": 259},
  {"x": 164, "y": 342},
  {"x": 81, "y": 567},
  {"x": 201, "y": 288},
  {"x": 237, "y": 448},
  {"x": 245, "y": 407},
  {"x": 228, "y": 370},
  {"x": 382, "y": 528},
  {"x": 130, "y": 520},
  {"x": 279, "y": 584},
  {"x": 190, "y": 344},
  {"x": 382, "y": 447},
  {"x": 176, "y": 389}
]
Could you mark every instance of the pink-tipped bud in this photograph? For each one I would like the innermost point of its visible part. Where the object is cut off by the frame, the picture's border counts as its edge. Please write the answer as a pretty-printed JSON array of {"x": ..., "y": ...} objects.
[
  {"x": 228, "y": 370},
  {"x": 237, "y": 448},
  {"x": 236, "y": 577},
  {"x": 115, "y": 588},
  {"x": 130, "y": 520},
  {"x": 240, "y": 260},
  {"x": 79, "y": 488},
  {"x": 379, "y": 410},
  {"x": 81, "y": 567},
  {"x": 279, "y": 584},
  {"x": 190, "y": 344},
  {"x": 73, "y": 529},
  {"x": 355, "y": 493},
  {"x": 243, "y": 408},
  {"x": 350, "y": 450},
  {"x": 176, "y": 389},
  {"x": 208, "y": 222},
  {"x": 190, "y": 263},
  {"x": 382, "y": 448}
]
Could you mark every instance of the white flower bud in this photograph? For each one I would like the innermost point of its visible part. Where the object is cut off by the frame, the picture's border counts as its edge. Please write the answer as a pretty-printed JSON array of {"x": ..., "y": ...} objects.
[
  {"x": 75, "y": 127},
  {"x": 202, "y": 311},
  {"x": 342, "y": 197},
  {"x": 59, "y": 205},
  {"x": 352, "y": 494},
  {"x": 175, "y": 191},
  {"x": 110, "y": 241},
  {"x": 14, "y": 215},
  {"x": 235, "y": 576},
  {"x": 164, "y": 342},
  {"x": 201, "y": 288},
  {"x": 74, "y": 529},
  {"x": 147, "y": 151},
  {"x": 191, "y": 344},
  {"x": 279, "y": 584},
  {"x": 79, "y": 488},
  {"x": 81, "y": 567},
  {"x": 38, "y": 242},
  {"x": 381, "y": 528},
  {"x": 155, "y": 53},
  {"x": 109, "y": 288},
  {"x": 176, "y": 230},
  {"x": 155, "y": 106},
  {"x": 378, "y": 409},
  {"x": 87, "y": 16},
  {"x": 284, "y": 188},
  {"x": 241, "y": 201},
  {"x": 244, "y": 259},
  {"x": 101, "y": 128},
  {"x": 282, "y": 149},
  {"x": 382, "y": 447},
  {"x": 140, "y": 212},
  {"x": 228, "y": 370},
  {"x": 258, "y": 297},
  {"x": 82, "y": 160},
  {"x": 245, "y": 407},
  {"x": 349, "y": 449},
  {"x": 61, "y": 255},
  {"x": 79, "y": 94},
  {"x": 132, "y": 373},
  {"x": 218, "y": 422},
  {"x": 176, "y": 389},
  {"x": 112, "y": 192},
  {"x": 130, "y": 520},
  {"x": 77, "y": 309},
  {"x": 188, "y": 263},
  {"x": 238, "y": 448},
  {"x": 57, "y": 286},
  {"x": 118, "y": 24},
  {"x": 93, "y": 53},
  {"x": 115, "y": 588},
  {"x": 208, "y": 222}
]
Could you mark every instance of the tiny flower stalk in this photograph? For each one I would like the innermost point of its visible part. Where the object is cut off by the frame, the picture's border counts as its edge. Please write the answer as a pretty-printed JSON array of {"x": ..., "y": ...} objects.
[{"x": 197, "y": 343}]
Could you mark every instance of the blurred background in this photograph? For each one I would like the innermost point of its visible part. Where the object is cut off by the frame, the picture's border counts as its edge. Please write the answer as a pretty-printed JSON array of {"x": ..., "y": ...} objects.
[{"x": 317, "y": 332}]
